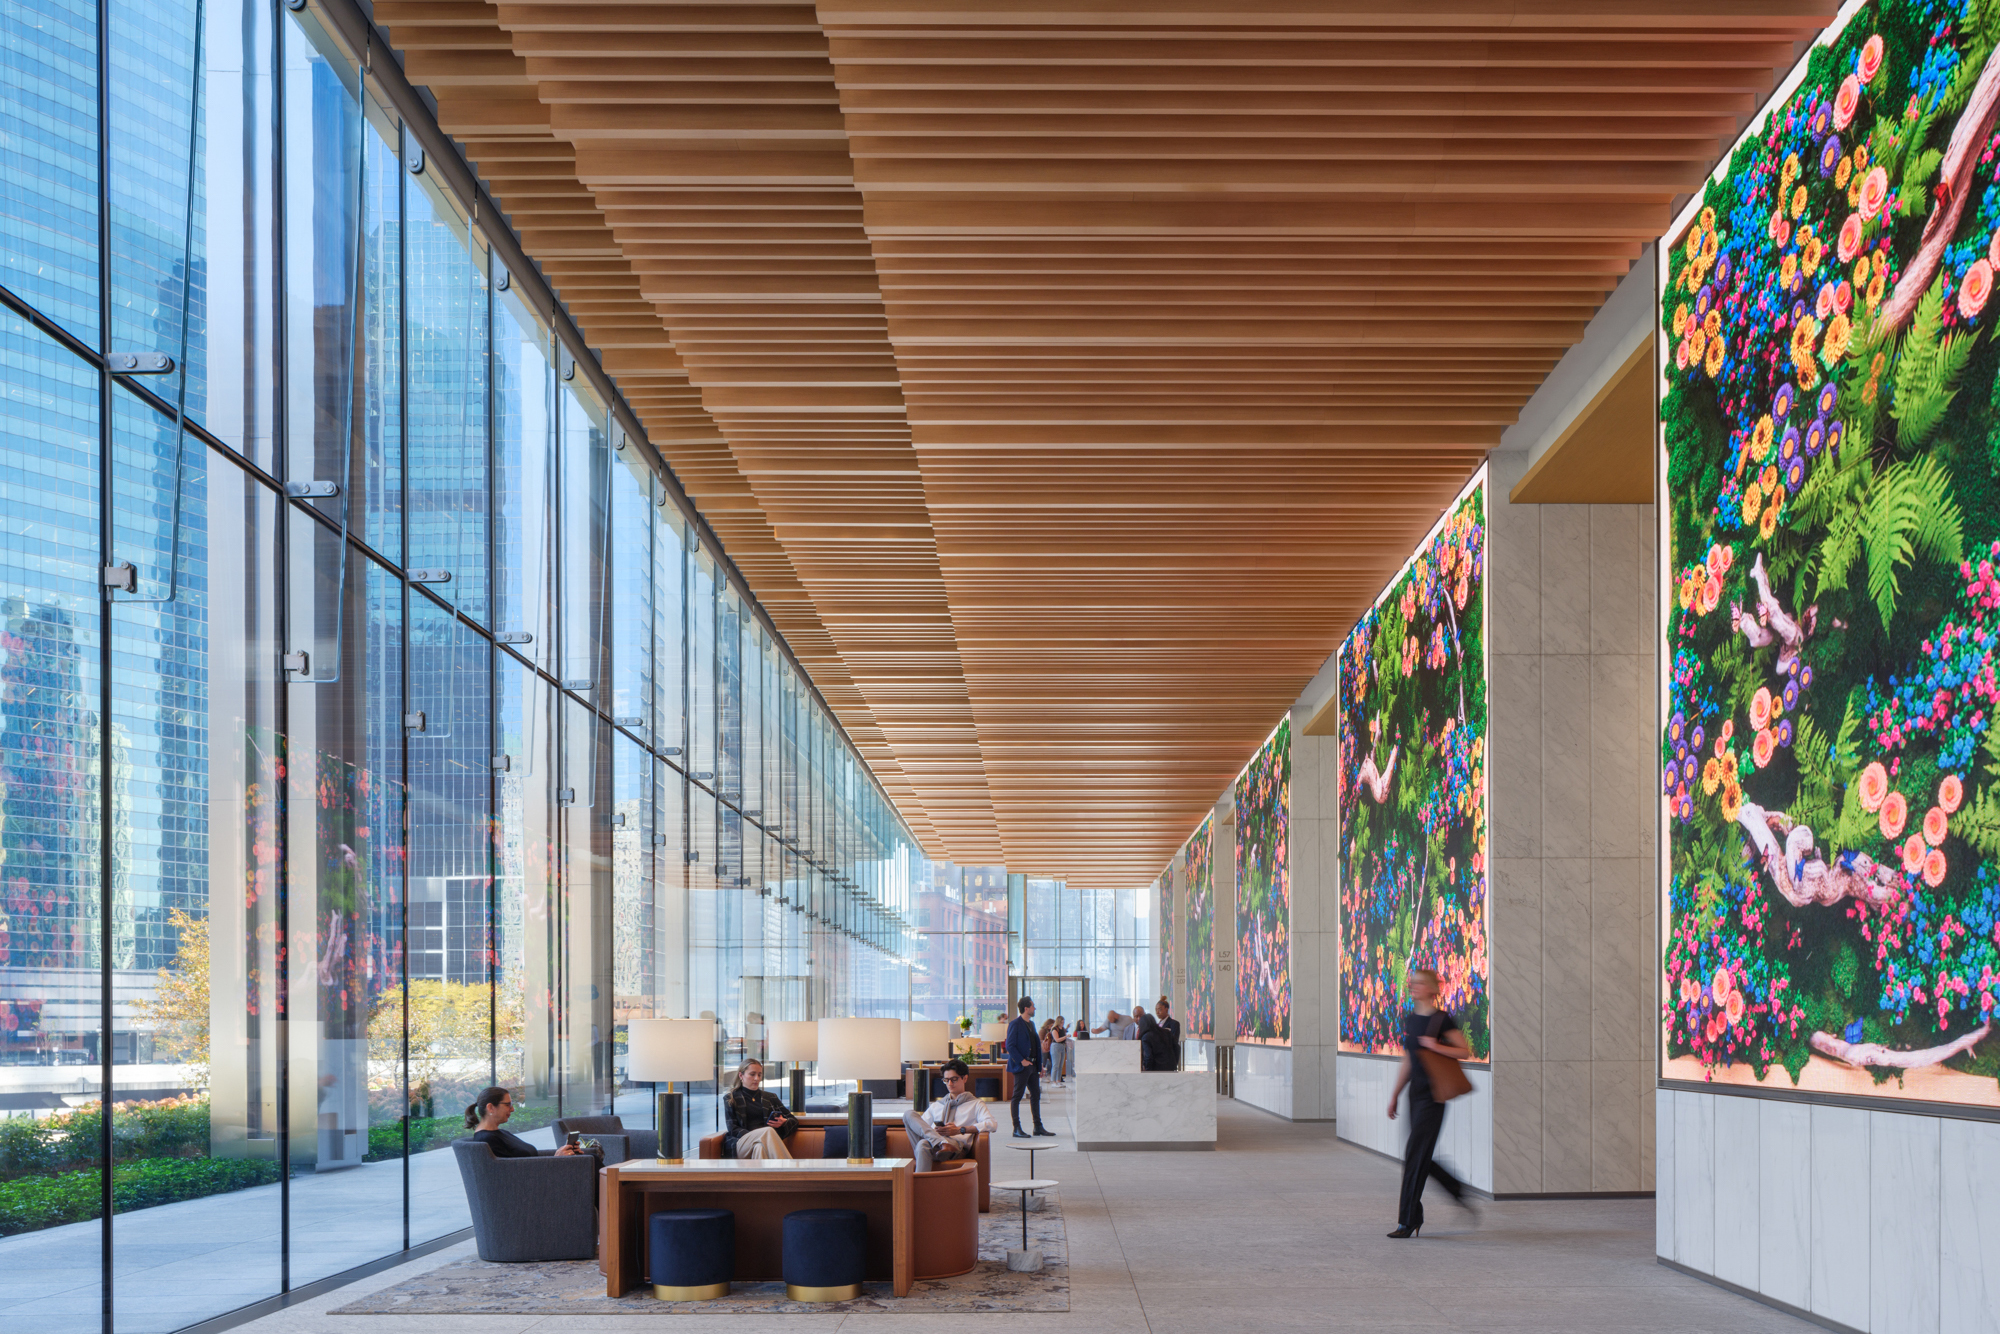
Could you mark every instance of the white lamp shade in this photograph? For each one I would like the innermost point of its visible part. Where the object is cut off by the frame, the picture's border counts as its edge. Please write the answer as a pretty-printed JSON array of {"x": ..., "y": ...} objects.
[
  {"x": 860, "y": 1048},
  {"x": 669, "y": 1049},
  {"x": 926, "y": 1039},
  {"x": 794, "y": 1040},
  {"x": 993, "y": 1031}
]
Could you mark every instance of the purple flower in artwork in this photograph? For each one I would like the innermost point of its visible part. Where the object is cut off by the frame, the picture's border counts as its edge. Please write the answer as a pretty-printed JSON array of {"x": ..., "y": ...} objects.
[
  {"x": 1695, "y": 739},
  {"x": 1788, "y": 445},
  {"x": 1668, "y": 777},
  {"x": 1792, "y": 694},
  {"x": 1815, "y": 437},
  {"x": 1795, "y": 475},
  {"x": 1805, "y": 678},
  {"x": 1785, "y": 731},
  {"x": 1828, "y": 396},
  {"x": 1829, "y": 155},
  {"x": 1781, "y": 402}
]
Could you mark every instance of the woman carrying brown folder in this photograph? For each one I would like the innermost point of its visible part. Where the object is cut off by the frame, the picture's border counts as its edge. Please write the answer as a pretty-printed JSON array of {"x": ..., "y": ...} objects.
[{"x": 1433, "y": 1045}]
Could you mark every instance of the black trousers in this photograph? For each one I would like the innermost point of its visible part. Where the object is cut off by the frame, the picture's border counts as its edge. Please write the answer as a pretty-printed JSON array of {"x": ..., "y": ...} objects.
[
  {"x": 1420, "y": 1163},
  {"x": 1029, "y": 1082}
]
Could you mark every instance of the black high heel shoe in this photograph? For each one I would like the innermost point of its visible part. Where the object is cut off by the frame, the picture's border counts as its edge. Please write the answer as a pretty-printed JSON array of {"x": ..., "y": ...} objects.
[{"x": 1402, "y": 1232}]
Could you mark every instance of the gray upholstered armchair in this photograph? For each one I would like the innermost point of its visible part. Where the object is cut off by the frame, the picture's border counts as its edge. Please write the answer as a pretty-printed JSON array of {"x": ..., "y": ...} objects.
[
  {"x": 529, "y": 1208},
  {"x": 619, "y": 1143}
]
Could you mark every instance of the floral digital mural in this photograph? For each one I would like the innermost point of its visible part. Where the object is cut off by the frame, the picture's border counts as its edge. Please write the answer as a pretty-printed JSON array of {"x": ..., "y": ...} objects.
[
  {"x": 1264, "y": 894},
  {"x": 1831, "y": 420},
  {"x": 1166, "y": 888},
  {"x": 1200, "y": 933},
  {"x": 1413, "y": 790}
]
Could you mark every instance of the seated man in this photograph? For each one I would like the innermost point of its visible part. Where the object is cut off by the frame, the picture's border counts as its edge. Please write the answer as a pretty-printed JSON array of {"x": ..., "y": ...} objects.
[{"x": 950, "y": 1129}]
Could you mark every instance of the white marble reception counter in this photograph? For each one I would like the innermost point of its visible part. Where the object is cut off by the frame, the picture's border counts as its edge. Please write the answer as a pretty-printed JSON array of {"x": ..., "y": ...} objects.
[
  {"x": 1118, "y": 1107},
  {"x": 1107, "y": 1056}
]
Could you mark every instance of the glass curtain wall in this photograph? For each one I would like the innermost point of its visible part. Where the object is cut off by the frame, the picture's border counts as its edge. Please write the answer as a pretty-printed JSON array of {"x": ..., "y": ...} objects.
[
  {"x": 373, "y": 726},
  {"x": 1095, "y": 934}
]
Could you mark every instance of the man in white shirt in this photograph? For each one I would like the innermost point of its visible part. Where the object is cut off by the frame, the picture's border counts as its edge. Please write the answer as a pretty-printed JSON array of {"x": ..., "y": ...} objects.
[{"x": 950, "y": 1129}]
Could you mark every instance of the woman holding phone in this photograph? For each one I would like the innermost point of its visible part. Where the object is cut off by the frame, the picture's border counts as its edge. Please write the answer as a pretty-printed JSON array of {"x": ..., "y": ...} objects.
[
  {"x": 486, "y": 1117},
  {"x": 758, "y": 1125}
]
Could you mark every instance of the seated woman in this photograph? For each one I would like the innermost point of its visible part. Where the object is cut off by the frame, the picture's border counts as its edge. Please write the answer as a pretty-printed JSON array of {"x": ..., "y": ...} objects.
[
  {"x": 759, "y": 1125},
  {"x": 488, "y": 1113}
]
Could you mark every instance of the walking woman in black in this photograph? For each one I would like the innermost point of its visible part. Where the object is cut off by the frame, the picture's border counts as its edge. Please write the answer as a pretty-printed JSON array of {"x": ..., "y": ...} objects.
[{"x": 1428, "y": 1029}]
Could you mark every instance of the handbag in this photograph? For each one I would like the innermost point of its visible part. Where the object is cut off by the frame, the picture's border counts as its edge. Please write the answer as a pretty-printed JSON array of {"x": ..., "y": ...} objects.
[{"x": 1446, "y": 1075}]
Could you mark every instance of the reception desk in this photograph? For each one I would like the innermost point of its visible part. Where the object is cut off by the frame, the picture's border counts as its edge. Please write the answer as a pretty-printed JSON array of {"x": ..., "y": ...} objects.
[{"x": 1120, "y": 1107}]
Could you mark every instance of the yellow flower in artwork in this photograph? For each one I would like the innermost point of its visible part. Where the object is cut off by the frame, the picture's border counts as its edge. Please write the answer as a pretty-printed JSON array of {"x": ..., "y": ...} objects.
[
  {"x": 1812, "y": 254},
  {"x": 1788, "y": 272},
  {"x": 1697, "y": 341},
  {"x": 1711, "y": 777},
  {"x": 1760, "y": 438},
  {"x": 1842, "y": 172},
  {"x": 1712, "y": 363},
  {"x": 1768, "y": 524},
  {"x": 1768, "y": 479},
  {"x": 1798, "y": 201},
  {"x": 1808, "y": 376},
  {"x": 1732, "y": 801},
  {"x": 1839, "y": 334},
  {"x": 1753, "y": 501},
  {"x": 1789, "y": 172},
  {"x": 1805, "y": 335},
  {"x": 1712, "y": 324},
  {"x": 1680, "y": 319},
  {"x": 1876, "y": 286},
  {"x": 1694, "y": 244},
  {"x": 1860, "y": 158}
]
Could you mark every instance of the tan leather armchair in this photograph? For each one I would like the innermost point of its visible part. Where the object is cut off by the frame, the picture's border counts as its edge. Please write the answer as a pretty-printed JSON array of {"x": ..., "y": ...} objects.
[{"x": 806, "y": 1140}]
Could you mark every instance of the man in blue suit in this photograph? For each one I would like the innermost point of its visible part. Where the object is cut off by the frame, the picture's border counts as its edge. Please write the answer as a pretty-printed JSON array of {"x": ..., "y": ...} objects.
[{"x": 1024, "y": 1062}]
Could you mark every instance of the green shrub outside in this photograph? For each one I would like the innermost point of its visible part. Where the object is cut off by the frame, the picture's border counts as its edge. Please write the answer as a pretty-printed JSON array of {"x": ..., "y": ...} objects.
[
  {"x": 31, "y": 1203},
  {"x": 171, "y": 1128}
]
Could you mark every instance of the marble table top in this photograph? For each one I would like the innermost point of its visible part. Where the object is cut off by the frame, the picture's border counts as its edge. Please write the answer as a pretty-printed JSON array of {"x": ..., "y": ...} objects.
[{"x": 1028, "y": 1183}]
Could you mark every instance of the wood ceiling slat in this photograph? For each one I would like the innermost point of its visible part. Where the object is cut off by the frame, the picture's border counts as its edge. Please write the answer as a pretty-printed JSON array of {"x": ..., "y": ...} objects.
[{"x": 1067, "y": 380}]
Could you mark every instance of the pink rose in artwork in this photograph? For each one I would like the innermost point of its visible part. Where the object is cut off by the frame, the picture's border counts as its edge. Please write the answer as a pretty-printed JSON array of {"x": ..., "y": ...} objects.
[
  {"x": 1734, "y": 1008},
  {"x": 1760, "y": 709},
  {"x": 1914, "y": 852},
  {"x": 1846, "y": 102},
  {"x": 1848, "y": 244},
  {"x": 1721, "y": 985},
  {"x": 1935, "y": 826},
  {"x": 1874, "y": 786},
  {"x": 1974, "y": 288},
  {"x": 1951, "y": 792},
  {"x": 1874, "y": 192},
  {"x": 1894, "y": 815},
  {"x": 1934, "y": 868},
  {"x": 1871, "y": 59}
]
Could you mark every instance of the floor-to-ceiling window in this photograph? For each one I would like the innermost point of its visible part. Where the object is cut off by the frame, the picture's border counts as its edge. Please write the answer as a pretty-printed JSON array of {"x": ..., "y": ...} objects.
[{"x": 374, "y": 723}]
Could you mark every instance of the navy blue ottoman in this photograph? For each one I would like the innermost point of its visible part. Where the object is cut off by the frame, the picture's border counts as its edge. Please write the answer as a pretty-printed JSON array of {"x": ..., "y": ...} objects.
[
  {"x": 826, "y": 1254},
  {"x": 692, "y": 1253}
]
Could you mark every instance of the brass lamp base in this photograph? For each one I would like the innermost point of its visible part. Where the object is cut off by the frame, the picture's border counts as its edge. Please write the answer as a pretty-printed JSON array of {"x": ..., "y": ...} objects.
[
  {"x": 705, "y": 1292},
  {"x": 846, "y": 1292}
]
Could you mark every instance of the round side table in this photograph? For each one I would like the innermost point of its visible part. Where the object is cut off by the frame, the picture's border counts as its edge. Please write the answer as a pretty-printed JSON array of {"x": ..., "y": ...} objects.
[{"x": 1024, "y": 1261}]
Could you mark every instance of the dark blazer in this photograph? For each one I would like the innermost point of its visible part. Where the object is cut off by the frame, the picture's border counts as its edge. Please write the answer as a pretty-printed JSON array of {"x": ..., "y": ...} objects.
[
  {"x": 506, "y": 1144},
  {"x": 1024, "y": 1046},
  {"x": 1169, "y": 1041},
  {"x": 747, "y": 1111}
]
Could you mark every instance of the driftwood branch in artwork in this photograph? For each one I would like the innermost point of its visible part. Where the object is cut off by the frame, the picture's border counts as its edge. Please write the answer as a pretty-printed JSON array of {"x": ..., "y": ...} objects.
[
  {"x": 1804, "y": 874},
  {"x": 1770, "y": 623},
  {"x": 1874, "y": 1053},
  {"x": 1376, "y": 781},
  {"x": 1954, "y": 187}
]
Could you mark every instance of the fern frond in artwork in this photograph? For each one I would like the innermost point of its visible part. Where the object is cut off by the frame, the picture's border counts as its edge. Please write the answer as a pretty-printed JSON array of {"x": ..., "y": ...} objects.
[
  {"x": 1979, "y": 823},
  {"x": 1927, "y": 372},
  {"x": 1910, "y": 509}
]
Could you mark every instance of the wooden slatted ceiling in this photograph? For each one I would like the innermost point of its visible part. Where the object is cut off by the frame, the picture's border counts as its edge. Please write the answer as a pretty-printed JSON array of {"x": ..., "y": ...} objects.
[{"x": 1068, "y": 381}]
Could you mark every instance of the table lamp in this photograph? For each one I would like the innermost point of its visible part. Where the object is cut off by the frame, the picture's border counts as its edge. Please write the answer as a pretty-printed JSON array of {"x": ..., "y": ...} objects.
[
  {"x": 993, "y": 1032},
  {"x": 860, "y": 1049},
  {"x": 924, "y": 1040},
  {"x": 667, "y": 1050},
  {"x": 795, "y": 1041}
]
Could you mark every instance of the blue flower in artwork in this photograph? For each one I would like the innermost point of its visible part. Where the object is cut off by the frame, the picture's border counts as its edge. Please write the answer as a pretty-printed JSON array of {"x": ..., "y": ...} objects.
[{"x": 1853, "y": 1033}]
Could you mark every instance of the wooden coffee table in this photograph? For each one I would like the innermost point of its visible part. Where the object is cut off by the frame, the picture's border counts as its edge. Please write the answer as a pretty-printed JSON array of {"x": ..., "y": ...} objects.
[{"x": 760, "y": 1192}]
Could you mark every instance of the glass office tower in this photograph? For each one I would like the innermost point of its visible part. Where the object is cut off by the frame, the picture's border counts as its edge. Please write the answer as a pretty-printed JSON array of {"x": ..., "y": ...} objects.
[{"x": 374, "y": 726}]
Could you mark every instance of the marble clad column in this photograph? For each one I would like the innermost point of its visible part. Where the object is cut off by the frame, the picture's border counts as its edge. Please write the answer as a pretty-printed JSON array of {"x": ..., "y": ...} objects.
[{"x": 1572, "y": 885}]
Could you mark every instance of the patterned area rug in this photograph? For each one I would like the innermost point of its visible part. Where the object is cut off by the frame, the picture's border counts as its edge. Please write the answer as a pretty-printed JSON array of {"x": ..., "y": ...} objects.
[{"x": 473, "y": 1287}]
